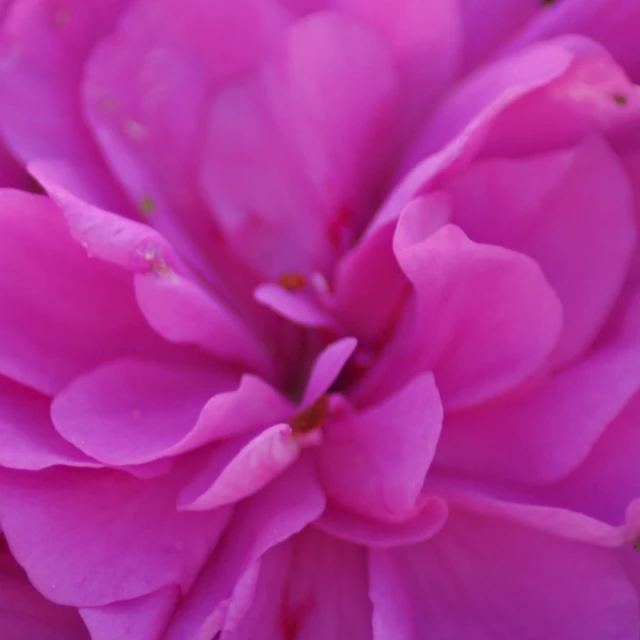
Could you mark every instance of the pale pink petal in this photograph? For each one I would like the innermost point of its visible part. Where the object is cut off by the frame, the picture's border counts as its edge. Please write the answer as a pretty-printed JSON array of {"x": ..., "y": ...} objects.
[
  {"x": 375, "y": 462},
  {"x": 483, "y": 578},
  {"x": 533, "y": 205},
  {"x": 95, "y": 537},
  {"x": 282, "y": 509},
  {"x": 134, "y": 411},
  {"x": 262, "y": 459},
  {"x": 28, "y": 439},
  {"x": 311, "y": 586},
  {"x": 302, "y": 135},
  {"x": 143, "y": 618},
  {"x": 57, "y": 301},
  {"x": 359, "y": 529},
  {"x": 26, "y": 615}
]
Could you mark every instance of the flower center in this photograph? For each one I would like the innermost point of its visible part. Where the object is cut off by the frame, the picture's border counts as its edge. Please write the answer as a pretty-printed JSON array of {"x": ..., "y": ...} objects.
[{"x": 311, "y": 418}]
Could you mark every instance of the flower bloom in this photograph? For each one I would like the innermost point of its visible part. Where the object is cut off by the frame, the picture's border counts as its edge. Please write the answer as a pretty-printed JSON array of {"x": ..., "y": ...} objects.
[{"x": 320, "y": 320}]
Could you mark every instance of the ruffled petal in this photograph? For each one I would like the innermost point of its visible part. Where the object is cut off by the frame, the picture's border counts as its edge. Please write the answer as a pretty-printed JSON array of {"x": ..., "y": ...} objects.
[
  {"x": 66, "y": 528},
  {"x": 483, "y": 577}
]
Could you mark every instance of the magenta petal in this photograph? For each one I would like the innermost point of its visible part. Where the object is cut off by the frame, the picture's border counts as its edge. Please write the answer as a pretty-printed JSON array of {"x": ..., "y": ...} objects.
[
  {"x": 416, "y": 31},
  {"x": 28, "y": 439},
  {"x": 536, "y": 586},
  {"x": 174, "y": 305},
  {"x": 282, "y": 509},
  {"x": 47, "y": 71},
  {"x": 55, "y": 306},
  {"x": 294, "y": 306},
  {"x": 303, "y": 134},
  {"x": 358, "y": 529},
  {"x": 26, "y": 615},
  {"x": 485, "y": 317},
  {"x": 135, "y": 131},
  {"x": 542, "y": 437},
  {"x": 134, "y": 411},
  {"x": 182, "y": 311},
  {"x": 261, "y": 460},
  {"x": 143, "y": 618},
  {"x": 68, "y": 528},
  {"x": 375, "y": 462},
  {"x": 531, "y": 204},
  {"x": 311, "y": 586},
  {"x": 327, "y": 368}
]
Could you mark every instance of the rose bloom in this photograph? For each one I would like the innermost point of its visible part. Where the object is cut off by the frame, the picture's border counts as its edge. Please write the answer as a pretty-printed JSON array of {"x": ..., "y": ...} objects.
[{"x": 320, "y": 320}]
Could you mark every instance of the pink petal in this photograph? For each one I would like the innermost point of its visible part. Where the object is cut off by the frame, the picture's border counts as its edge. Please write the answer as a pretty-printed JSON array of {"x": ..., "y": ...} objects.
[
  {"x": 491, "y": 89},
  {"x": 364, "y": 310},
  {"x": 416, "y": 31},
  {"x": 26, "y": 615},
  {"x": 542, "y": 437},
  {"x": 487, "y": 27},
  {"x": 310, "y": 586},
  {"x": 361, "y": 530},
  {"x": 264, "y": 458},
  {"x": 529, "y": 204},
  {"x": 253, "y": 404},
  {"x": 173, "y": 304},
  {"x": 299, "y": 136},
  {"x": 134, "y": 411},
  {"x": 145, "y": 90},
  {"x": 607, "y": 481},
  {"x": 614, "y": 23},
  {"x": 484, "y": 319},
  {"x": 484, "y": 577},
  {"x": 375, "y": 462},
  {"x": 262, "y": 521},
  {"x": 143, "y": 618},
  {"x": 44, "y": 45},
  {"x": 67, "y": 528},
  {"x": 28, "y": 439},
  {"x": 55, "y": 306},
  {"x": 296, "y": 307},
  {"x": 327, "y": 368}
]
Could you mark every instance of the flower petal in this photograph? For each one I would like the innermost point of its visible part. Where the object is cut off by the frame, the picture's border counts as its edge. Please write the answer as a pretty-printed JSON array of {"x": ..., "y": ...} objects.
[
  {"x": 56, "y": 300},
  {"x": 375, "y": 462},
  {"x": 66, "y": 528},
  {"x": 262, "y": 521},
  {"x": 536, "y": 586},
  {"x": 529, "y": 204},
  {"x": 262, "y": 459},
  {"x": 28, "y": 439},
  {"x": 312, "y": 586},
  {"x": 143, "y": 618},
  {"x": 26, "y": 614},
  {"x": 484, "y": 317},
  {"x": 299, "y": 136},
  {"x": 134, "y": 411}
]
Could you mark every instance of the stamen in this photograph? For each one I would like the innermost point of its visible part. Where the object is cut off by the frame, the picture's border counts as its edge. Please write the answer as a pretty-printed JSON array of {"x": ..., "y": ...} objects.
[
  {"x": 292, "y": 281},
  {"x": 620, "y": 99},
  {"x": 311, "y": 418},
  {"x": 636, "y": 544}
]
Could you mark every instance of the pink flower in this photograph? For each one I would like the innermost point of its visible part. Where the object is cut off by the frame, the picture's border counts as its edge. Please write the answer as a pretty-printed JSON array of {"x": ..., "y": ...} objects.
[{"x": 325, "y": 323}]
